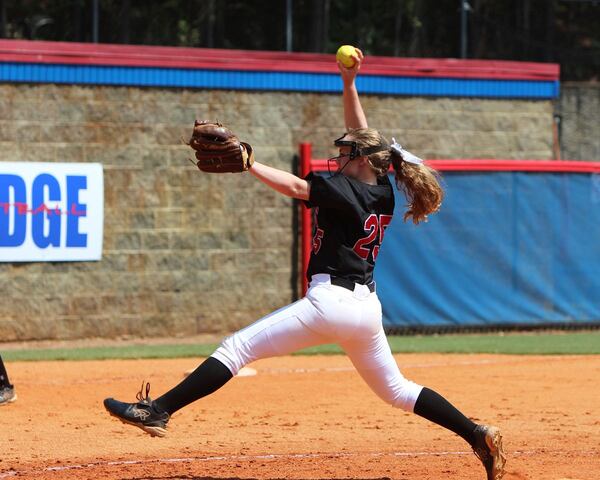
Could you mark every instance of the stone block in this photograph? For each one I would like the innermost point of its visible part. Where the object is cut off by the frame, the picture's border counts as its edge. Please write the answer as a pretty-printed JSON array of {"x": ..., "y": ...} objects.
[
  {"x": 113, "y": 304},
  {"x": 7, "y": 107},
  {"x": 579, "y": 107},
  {"x": 244, "y": 219},
  {"x": 111, "y": 262},
  {"x": 43, "y": 152},
  {"x": 131, "y": 197},
  {"x": 235, "y": 240},
  {"x": 142, "y": 219},
  {"x": 265, "y": 259},
  {"x": 180, "y": 158},
  {"x": 70, "y": 112},
  {"x": 113, "y": 156},
  {"x": 80, "y": 305},
  {"x": 35, "y": 328},
  {"x": 119, "y": 178},
  {"x": 168, "y": 218},
  {"x": 159, "y": 281},
  {"x": 186, "y": 241},
  {"x": 9, "y": 151},
  {"x": 274, "y": 237},
  {"x": 180, "y": 114},
  {"x": 207, "y": 240},
  {"x": 142, "y": 135},
  {"x": 142, "y": 303},
  {"x": 65, "y": 133},
  {"x": 201, "y": 282},
  {"x": 194, "y": 261},
  {"x": 121, "y": 325},
  {"x": 159, "y": 325},
  {"x": 211, "y": 198},
  {"x": 69, "y": 153},
  {"x": 128, "y": 241},
  {"x": 166, "y": 261},
  {"x": 223, "y": 261},
  {"x": 112, "y": 134},
  {"x": 9, "y": 331},
  {"x": 117, "y": 94},
  {"x": 137, "y": 262},
  {"x": 116, "y": 215},
  {"x": 74, "y": 327},
  {"x": 7, "y": 131},
  {"x": 103, "y": 112},
  {"x": 29, "y": 111},
  {"x": 167, "y": 134},
  {"x": 153, "y": 157}
]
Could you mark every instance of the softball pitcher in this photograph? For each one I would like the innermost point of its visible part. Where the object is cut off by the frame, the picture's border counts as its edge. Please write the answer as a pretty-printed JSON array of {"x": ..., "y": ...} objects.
[{"x": 353, "y": 209}]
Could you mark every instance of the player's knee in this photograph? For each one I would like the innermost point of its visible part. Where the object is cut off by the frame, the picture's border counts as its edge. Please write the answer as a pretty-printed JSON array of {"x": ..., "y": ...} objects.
[
  {"x": 405, "y": 396},
  {"x": 231, "y": 354}
]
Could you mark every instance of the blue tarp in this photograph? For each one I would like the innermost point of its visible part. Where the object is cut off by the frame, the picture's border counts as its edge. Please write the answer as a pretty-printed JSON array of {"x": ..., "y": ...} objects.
[{"x": 506, "y": 248}]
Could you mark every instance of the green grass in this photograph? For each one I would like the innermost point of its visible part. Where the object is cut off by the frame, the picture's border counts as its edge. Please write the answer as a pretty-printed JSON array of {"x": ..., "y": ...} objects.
[
  {"x": 578, "y": 343},
  {"x": 106, "y": 353},
  {"x": 559, "y": 343},
  {"x": 567, "y": 343}
]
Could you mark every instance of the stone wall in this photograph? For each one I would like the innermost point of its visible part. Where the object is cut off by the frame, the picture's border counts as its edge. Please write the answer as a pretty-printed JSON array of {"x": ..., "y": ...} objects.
[
  {"x": 579, "y": 108},
  {"x": 186, "y": 252}
]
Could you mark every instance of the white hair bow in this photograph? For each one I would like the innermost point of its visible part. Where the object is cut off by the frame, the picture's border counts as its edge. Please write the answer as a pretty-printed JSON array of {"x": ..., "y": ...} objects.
[{"x": 406, "y": 155}]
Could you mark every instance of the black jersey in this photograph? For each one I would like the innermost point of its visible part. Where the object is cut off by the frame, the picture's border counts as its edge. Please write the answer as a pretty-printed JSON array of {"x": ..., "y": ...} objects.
[{"x": 351, "y": 218}]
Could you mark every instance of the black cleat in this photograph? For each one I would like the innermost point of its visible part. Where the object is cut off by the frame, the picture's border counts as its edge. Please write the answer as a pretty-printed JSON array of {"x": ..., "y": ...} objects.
[
  {"x": 142, "y": 414},
  {"x": 488, "y": 448},
  {"x": 7, "y": 395}
]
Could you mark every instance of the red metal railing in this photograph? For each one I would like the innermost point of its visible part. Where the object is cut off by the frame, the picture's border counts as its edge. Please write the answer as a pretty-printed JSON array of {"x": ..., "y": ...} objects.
[{"x": 26, "y": 51}]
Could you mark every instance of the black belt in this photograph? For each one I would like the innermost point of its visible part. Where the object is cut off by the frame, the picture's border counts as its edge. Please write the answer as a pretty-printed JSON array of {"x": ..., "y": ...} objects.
[{"x": 349, "y": 284}]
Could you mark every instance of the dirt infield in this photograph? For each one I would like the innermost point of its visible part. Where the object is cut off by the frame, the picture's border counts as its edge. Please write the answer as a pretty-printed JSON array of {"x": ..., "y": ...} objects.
[{"x": 303, "y": 418}]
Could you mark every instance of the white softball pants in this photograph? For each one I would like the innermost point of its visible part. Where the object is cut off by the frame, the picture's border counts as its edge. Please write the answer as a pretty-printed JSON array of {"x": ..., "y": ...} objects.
[{"x": 327, "y": 314}]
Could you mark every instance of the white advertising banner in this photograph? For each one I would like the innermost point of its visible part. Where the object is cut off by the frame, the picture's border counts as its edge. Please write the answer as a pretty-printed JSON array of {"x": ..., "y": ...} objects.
[{"x": 51, "y": 211}]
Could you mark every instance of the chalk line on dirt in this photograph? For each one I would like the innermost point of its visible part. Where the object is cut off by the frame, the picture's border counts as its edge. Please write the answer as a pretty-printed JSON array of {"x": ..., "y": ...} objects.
[{"x": 276, "y": 456}]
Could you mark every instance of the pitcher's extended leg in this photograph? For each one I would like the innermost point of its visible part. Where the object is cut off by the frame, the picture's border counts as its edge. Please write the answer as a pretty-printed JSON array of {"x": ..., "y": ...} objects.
[
  {"x": 276, "y": 334},
  {"x": 374, "y": 361},
  {"x": 279, "y": 333},
  {"x": 206, "y": 379}
]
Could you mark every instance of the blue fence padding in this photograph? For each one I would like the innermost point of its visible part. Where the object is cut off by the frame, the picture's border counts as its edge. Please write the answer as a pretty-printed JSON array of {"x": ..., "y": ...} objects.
[
  {"x": 280, "y": 81},
  {"x": 506, "y": 248}
]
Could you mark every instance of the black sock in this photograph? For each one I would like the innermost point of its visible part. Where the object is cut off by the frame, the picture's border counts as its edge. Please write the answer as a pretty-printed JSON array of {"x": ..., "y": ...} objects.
[
  {"x": 3, "y": 376},
  {"x": 206, "y": 379},
  {"x": 434, "y": 407}
]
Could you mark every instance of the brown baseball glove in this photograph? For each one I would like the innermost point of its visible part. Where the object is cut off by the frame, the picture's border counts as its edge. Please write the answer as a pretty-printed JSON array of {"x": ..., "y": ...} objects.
[{"x": 218, "y": 150}]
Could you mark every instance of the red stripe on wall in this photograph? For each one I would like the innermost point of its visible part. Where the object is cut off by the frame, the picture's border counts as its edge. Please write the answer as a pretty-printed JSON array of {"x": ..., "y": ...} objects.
[
  {"x": 25, "y": 51},
  {"x": 494, "y": 165}
]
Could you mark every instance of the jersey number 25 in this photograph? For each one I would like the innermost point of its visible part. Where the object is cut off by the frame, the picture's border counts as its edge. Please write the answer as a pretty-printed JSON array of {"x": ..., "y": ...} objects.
[{"x": 374, "y": 227}]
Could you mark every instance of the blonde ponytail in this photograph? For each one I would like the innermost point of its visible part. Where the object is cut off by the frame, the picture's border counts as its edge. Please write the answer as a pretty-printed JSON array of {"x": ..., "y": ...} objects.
[
  {"x": 421, "y": 187},
  {"x": 419, "y": 183}
]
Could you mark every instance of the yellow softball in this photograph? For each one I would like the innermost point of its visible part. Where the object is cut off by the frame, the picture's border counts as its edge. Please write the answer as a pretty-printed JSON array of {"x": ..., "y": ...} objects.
[{"x": 344, "y": 55}]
